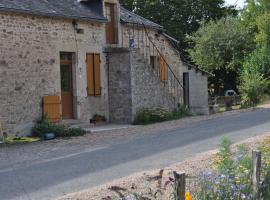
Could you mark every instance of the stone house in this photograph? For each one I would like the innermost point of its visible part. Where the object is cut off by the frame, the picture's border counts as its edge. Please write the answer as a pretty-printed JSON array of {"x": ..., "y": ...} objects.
[{"x": 87, "y": 57}]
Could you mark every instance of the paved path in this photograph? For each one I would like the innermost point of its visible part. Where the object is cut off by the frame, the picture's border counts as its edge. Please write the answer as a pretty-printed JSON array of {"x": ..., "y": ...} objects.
[{"x": 90, "y": 167}]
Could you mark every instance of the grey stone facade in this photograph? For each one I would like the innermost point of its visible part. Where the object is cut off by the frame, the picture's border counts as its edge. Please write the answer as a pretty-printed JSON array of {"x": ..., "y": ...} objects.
[
  {"x": 30, "y": 49},
  {"x": 120, "y": 88},
  {"x": 134, "y": 85}
]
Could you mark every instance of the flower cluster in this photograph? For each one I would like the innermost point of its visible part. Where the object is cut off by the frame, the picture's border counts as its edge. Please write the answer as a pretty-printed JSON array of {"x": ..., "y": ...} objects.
[{"x": 231, "y": 177}]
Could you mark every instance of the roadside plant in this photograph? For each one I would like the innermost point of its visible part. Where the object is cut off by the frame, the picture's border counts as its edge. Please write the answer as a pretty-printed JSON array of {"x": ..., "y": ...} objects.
[
  {"x": 231, "y": 176},
  {"x": 44, "y": 126},
  {"x": 150, "y": 116},
  {"x": 253, "y": 85},
  {"x": 230, "y": 179},
  {"x": 265, "y": 188}
]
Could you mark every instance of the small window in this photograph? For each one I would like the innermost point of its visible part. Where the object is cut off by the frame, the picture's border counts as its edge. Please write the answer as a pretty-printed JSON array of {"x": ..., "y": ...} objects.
[
  {"x": 153, "y": 61},
  {"x": 93, "y": 75},
  {"x": 80, "y": 31}
]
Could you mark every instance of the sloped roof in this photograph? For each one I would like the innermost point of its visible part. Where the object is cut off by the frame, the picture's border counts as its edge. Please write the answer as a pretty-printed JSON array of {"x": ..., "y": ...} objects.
[
  {"x": 130, "y": 17},
  {"x": 73, "y": 9}
]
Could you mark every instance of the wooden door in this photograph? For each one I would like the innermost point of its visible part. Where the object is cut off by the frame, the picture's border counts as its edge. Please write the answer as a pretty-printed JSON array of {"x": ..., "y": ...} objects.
[
  {"x": 186, "y": 88},
  {"x": 111, "y": 24},
  {"x": 66, "y": 85}
]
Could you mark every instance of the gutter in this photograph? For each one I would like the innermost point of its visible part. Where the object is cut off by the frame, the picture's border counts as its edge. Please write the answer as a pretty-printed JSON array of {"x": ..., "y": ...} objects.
[{"x": 39, "y": 13}]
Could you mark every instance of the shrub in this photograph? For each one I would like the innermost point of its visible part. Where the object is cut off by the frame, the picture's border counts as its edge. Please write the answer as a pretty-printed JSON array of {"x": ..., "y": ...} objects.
[
  {"x": 180, "y": 112},
  {"x": 44, "y": 126},
  {"x": 149, "y": 116},
  {"x": 253, "y": 85}
]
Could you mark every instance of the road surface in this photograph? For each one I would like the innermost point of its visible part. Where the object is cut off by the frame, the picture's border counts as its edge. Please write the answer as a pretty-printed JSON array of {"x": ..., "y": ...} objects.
[{"x": 95, "y": 166}]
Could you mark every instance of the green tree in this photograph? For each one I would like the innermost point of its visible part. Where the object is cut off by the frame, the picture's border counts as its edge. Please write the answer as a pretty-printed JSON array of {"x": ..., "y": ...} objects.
[
  {"x": 220, "y": 47},
  {"x": 260, "y": 58},
  {"x": 252, "y": 11},
  {"x": 263, "y": 36}
]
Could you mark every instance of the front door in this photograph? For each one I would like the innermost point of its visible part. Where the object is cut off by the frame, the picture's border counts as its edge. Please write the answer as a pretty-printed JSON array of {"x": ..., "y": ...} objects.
[
  {"x": 111, "y": 24},
  {"x": 66, "y": 85}
]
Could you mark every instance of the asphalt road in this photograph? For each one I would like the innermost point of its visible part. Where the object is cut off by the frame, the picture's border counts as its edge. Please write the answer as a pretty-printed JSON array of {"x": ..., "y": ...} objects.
[{"x": 73, "y": 172}]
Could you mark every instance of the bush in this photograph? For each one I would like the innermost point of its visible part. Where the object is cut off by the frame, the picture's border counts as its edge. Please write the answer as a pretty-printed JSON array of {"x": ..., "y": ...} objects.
[
  {"x": 180, "y": 112},
  {"x": 150, "y": 116},
  {"x": 44, "y": 126},
  {"x": 253, "y": 85}
]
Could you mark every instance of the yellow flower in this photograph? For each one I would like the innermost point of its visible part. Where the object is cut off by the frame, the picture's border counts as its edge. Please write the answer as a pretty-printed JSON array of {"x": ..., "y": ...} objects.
[{"x": 188, "y": 196}]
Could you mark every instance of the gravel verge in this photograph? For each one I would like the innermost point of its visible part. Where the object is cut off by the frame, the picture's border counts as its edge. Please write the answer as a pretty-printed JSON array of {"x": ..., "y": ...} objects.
[{"x": 151, "y": 181}]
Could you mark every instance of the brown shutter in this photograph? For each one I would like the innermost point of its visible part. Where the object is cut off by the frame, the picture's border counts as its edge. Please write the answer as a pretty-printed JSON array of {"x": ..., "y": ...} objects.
[
  {"x": 163, "y": 69},
  {"x": 97, "y": 75},
  {"x": 90, "y": 75},
  {"x": 52, "y": 108}
]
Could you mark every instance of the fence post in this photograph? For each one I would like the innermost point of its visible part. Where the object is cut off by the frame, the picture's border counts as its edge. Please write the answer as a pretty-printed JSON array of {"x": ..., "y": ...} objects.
[
  {"x": 180, "y": 185},
  {"x": 256, "y": 172}
]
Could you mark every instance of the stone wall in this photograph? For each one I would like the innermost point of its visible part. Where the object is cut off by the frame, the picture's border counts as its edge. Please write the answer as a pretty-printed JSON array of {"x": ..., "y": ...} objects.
[
  {"x": 198, "y": 81},
  {"x": 198, "y": 92},
  {"x": 133, "y": 86},
  {"x": 147, "y": 89},
  {"x": 30, "y": 66},
  {"x": 120, "y": 99}
]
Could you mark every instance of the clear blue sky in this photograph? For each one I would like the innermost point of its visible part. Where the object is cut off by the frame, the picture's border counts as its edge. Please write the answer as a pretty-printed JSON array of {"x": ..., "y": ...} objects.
[{"x": 239, "y": 3}]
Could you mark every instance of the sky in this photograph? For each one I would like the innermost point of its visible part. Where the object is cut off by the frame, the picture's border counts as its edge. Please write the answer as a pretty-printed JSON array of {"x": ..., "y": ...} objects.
[{"x": 239, "y": 3}]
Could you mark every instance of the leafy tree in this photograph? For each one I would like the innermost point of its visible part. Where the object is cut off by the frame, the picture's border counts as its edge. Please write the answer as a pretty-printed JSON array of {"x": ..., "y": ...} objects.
[
  {"x": 253, "y": 10},
  {"x": 179, "y": 17},
  {"x": 220, "y": 47},
  {"x": 260, "y": 58},
  {"x": 263, "y": 36}
]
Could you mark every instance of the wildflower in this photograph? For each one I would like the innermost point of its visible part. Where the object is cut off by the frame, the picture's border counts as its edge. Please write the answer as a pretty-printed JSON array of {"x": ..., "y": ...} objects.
[
  {"x": 243, "y": 196},
  {"x": 188, "y": 196},
  {"x": 207, "y": 173},
  {"x": 222, "y": 176},
  {"x": 131, "y": 197}
]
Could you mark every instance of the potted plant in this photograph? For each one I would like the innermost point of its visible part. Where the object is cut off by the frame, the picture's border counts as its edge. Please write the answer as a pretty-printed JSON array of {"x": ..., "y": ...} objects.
[{"x": 98, "y": 120}]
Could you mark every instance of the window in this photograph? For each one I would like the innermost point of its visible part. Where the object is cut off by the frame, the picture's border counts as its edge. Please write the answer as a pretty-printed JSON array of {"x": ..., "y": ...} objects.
[
  {"x": 153, "y": 61},
  {"x": 93, "y": 74},
  {"x": 163, "y": 69}
]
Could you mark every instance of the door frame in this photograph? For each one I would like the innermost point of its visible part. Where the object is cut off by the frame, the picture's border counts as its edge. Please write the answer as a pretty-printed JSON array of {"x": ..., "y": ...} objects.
[{"x": 73, "y": 81}]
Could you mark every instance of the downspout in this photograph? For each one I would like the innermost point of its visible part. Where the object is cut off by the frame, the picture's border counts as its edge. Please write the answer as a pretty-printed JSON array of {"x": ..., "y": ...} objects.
[{"x": 77, "y": 67}]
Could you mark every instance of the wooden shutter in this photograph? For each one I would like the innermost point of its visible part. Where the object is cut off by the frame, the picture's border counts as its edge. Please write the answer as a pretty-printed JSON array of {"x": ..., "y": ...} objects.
[
  {"x": 52, "y": 108},
  {"x": 90, "y": 75},
  {"x": 97, "y": 75},
  {"x": 163, "y": 69}
]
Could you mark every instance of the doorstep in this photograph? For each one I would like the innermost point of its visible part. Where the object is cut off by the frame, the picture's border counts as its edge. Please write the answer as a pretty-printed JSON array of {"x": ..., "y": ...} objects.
[
  {"x": 92, "y": 128},
  {"x": 107, "y": 127}
]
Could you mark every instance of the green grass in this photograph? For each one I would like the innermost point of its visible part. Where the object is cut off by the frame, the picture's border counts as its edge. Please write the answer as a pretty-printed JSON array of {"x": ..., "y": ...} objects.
[{"x": 223, "y": 109}]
